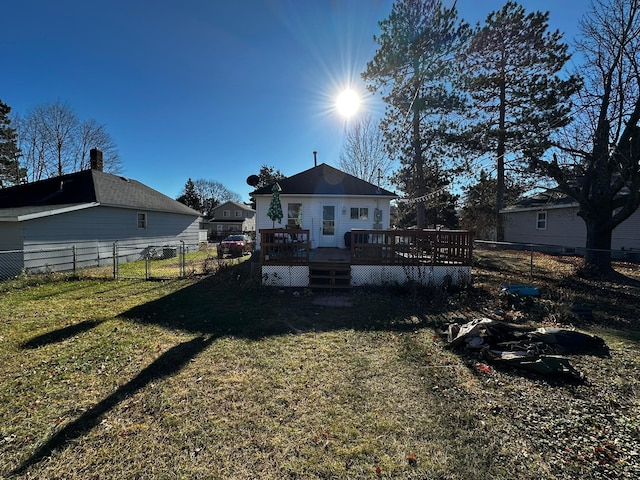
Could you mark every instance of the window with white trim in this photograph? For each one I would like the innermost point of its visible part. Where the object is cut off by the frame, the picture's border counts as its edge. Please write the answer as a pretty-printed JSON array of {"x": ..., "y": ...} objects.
[
  {"x": 294, "y": 214},
  {"x": 226, "y": 213},
  {"x": 359, "y": 213},
  {"x": 238, "y": 213},
  {"x": 541, "y": 220},
  {"x": 142, "y": 220}
]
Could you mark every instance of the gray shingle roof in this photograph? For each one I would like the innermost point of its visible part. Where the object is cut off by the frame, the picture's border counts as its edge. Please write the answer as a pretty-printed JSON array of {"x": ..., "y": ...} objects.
[
  {"x": 551, "y": 198},
  {"x": 325, "y": 180},
  {"x": 88, "y": 187},
  {"x": 238, "y": 205}
]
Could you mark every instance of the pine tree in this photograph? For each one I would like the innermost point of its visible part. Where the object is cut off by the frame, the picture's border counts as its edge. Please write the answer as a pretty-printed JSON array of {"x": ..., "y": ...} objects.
[
  {"x": 439, "y": 205},
  {"x": 268, "y": 176},
  {"x": 10, "y": 172},
  {"x": 479, "y": 212},
  {"x": 414, "y": 70},
  {"x": 190, "y": 197},
  {"x": 518, "y": 95}
]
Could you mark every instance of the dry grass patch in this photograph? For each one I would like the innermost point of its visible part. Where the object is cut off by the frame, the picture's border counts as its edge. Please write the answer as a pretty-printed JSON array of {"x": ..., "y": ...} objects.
[{"x": 220, "y": 378}]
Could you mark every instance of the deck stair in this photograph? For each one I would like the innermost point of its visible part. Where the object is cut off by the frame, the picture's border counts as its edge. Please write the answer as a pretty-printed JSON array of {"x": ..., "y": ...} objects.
[{"x": 329, "y": 275}]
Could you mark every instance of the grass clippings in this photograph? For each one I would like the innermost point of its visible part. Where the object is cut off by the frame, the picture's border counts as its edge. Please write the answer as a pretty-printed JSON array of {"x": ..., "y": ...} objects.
[{"x": 217, "y": 377}]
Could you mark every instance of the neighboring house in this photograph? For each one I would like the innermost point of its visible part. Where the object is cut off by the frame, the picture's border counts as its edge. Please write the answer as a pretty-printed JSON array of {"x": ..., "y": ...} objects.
[
  {"x": 91, "y": 210},
  {"x": 326, "y": 201},
  {"x": 550, "y": 218},
  {"x": 232, "y": 217}
]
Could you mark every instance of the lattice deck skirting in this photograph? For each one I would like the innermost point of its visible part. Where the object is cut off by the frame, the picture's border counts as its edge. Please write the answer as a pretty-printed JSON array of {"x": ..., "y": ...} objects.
[
  {"x": 285, "y": 275},
  {"x": 424, "y": 275},
  {"x": 298, "y": 275}
]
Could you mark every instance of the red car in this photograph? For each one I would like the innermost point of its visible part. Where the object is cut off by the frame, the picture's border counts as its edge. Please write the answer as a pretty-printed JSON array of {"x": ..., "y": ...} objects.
[{"x": 236, "y": 245}]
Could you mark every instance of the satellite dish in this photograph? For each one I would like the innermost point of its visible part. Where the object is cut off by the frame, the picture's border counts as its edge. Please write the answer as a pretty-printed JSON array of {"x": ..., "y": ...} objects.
[{"x": 253, "y": 180}]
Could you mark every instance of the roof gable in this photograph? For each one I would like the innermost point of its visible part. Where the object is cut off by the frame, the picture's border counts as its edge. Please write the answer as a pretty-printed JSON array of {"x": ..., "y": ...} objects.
[
  {"x": 230, "y": 204},
  {"x": 325, "y": 180}
]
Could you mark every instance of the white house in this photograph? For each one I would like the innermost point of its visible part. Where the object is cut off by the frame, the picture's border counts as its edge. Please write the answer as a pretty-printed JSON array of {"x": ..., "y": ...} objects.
[{"x": 328, "y": 202}]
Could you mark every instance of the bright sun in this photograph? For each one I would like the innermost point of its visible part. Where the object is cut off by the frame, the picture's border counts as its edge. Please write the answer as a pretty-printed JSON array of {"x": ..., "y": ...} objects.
[{"x": 348, "y": 103}]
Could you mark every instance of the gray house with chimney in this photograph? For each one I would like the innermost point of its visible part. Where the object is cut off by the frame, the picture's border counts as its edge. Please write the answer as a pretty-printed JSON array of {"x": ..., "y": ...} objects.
[{"x": 89, "y": 210}]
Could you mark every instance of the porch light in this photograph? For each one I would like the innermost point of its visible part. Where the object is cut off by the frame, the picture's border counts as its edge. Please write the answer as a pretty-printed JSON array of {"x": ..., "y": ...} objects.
[{"x": 344, "y": 210}]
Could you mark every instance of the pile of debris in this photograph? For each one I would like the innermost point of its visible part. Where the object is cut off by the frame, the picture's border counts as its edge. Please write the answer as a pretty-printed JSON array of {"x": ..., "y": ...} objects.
[{"x": 539, "y": 350}]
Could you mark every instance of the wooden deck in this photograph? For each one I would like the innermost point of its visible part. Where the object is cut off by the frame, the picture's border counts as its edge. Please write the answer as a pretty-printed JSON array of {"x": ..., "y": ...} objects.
[
  {"x": 370, "y": 247},
  {"x": 287, "y": 253},
  {"x": 330, "y": 255},
  {"x": 330, "y": 268}
]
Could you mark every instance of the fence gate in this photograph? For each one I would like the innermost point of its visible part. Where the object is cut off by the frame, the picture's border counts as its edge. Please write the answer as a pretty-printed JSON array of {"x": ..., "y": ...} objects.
[{"x": 150, "y": 262}]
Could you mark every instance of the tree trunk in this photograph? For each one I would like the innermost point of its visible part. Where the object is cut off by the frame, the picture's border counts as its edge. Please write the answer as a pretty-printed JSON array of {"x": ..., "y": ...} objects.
[
  {"x": 419, "y": 168},
  {"x": 500, "y": 167},
  {"x": 597, "y": 255},
  {"x": 597, "y": 213}
]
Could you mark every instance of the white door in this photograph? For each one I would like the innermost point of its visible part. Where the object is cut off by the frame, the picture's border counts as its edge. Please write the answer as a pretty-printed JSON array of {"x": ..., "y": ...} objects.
[{"x": 328, "y": 227}]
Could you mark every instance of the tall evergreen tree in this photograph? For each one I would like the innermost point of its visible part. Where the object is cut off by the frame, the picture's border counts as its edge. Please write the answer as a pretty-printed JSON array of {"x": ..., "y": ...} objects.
[
  {"x": 10, "y": 173},
  {"x": 414, "y": 70},
  {"x": 479, "y": 213},
  {"x": 439, "y": 205},
  {"x": 518, "y": 94},
  {"x": 189, "y": 197},
  {"x": 267, "y": 176}
]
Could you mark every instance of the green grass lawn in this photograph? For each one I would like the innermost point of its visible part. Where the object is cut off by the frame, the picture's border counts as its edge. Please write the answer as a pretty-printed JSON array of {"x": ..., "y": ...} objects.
[{"x": 217, "y": 377}]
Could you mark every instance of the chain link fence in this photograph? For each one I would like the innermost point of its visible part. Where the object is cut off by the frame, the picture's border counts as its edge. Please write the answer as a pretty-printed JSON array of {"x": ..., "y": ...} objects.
[
  {"x": 536, "y": 255},
  {"x": 115, "y": 260}
]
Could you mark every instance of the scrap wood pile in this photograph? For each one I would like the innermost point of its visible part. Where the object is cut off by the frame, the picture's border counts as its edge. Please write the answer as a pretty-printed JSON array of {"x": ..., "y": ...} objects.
[{"x": 538, "y": 350}]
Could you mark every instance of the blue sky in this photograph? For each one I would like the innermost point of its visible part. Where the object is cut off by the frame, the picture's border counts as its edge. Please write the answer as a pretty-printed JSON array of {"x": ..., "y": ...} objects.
[{"x": 207, "y": 88}]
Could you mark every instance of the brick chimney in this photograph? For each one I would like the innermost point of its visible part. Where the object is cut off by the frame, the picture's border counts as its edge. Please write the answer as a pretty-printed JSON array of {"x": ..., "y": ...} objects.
[{"x": 95, "y": 158}]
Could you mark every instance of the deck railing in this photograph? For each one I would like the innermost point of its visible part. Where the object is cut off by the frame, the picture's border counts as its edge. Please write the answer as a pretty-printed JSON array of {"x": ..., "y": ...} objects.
[
  {"x": 373, "y": 247},
  {"x": 411, "y": 247},
  {"x": 284, "y": 246}
]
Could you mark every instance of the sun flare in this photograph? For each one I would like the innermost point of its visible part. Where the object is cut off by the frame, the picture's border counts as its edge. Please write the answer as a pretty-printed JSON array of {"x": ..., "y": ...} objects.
[{"x": 348, "y": 103}]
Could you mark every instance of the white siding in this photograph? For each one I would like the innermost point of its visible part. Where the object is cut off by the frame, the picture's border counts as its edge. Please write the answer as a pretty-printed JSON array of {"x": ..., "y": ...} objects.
[{"x": 312, "y": 214}]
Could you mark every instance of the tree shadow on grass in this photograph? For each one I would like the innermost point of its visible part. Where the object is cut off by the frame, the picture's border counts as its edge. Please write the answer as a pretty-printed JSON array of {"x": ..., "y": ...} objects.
[
  {"x": 60, "y": 334},
  {"x": 221, "y": 306},
  {"x": 169, "y": 363},
  {"x": 218, "y": 308},
  {"x": 230, "y": 305}
]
